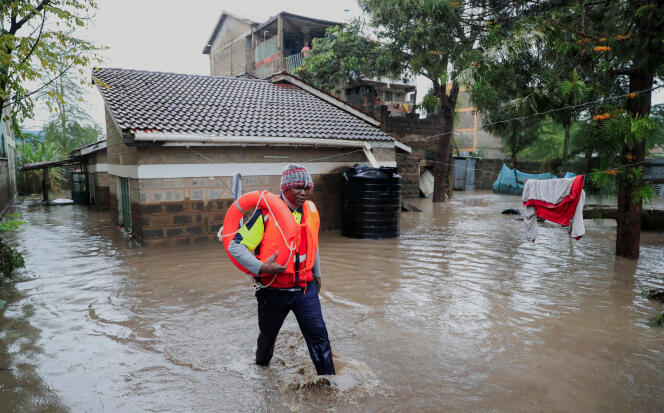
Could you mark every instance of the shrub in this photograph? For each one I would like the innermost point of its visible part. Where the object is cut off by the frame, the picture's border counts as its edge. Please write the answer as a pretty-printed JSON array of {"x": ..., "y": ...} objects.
[{"x": 10, "y": 259}]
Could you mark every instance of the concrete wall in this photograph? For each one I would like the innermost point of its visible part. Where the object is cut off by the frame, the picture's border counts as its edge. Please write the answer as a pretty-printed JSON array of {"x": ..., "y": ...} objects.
[
  {"x": 228, "y": 54},
  {"x": 6, "y": 195},
  {"x": 7, "y": 166},
  {"x": 119, "y": 156},
  {"x": 98, "y": 170},
  {"x": 191, "y": 209}
]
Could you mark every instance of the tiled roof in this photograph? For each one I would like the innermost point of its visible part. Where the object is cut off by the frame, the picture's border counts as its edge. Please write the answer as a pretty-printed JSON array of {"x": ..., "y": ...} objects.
[{"x": 143, "y": 101}]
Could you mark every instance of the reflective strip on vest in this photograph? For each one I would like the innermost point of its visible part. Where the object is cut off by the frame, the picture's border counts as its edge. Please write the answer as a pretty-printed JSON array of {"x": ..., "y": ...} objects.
[{"x": 303, "y": 257}]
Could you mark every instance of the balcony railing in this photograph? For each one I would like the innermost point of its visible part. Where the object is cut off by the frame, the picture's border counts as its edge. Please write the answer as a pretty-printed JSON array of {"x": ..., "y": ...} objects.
[
  {"x": 290, "y": 64},
  {"x": 293, "y": 62}
]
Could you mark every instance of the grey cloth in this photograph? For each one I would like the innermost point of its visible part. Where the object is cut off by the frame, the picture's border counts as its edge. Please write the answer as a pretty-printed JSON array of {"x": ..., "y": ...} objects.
[
  {"x": 552, "y": 191},
  {"x": 248, "y": 260}
]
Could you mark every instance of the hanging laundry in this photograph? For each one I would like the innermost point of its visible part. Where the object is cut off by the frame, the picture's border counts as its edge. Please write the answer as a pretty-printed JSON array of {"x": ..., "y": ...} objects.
[{"x": 556, "y": 200}]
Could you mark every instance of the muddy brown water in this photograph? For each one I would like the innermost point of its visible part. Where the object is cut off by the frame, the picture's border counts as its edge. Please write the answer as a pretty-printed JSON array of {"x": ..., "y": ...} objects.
[{"x": 458, "y": 314}]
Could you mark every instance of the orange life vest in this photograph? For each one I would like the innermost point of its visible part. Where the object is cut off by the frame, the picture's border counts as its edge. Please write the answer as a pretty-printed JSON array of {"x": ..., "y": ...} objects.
[{"x": 299, "y": 266}]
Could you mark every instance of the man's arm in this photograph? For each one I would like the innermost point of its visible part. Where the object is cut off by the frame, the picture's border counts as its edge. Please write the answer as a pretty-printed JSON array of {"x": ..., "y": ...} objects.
[
  {"x": 242, "y": 255},
  {"x": 245, "y": 242}
]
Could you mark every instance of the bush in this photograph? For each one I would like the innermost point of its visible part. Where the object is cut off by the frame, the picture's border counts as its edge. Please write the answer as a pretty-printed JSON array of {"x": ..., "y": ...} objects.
[{"x": 10, "y": 259}]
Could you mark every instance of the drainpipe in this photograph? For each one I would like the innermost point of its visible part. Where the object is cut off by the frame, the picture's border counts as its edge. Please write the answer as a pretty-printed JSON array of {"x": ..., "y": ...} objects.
[{"x": 257, "y": 140}]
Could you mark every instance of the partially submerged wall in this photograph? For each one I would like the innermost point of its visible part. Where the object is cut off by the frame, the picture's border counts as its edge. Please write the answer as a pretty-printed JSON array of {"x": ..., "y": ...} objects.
[
  {"x": 191, "y": 209},
  {"x": 179, "y": 194},
  {"x": 7, "y": 165}
]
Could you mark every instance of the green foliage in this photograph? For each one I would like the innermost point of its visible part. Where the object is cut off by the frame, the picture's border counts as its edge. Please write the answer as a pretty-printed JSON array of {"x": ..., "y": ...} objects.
[
  {"x": 65, "y": 98},
  {"x": 10, "y": 259},
  {"x": 32, "y": 33},
  {"x": 29, "y": 182},
  {"x": 658, "y": 321},
  {"x": 343, "y": 58},
  {"x": 75, "y": 135},
  {"x": 548, "y": 145},
  {"x": 10, "y": 225},
  {"x": 431, "y": 103}
]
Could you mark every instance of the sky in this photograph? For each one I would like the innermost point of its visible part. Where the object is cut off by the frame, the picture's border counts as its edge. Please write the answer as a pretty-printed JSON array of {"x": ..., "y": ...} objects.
[{"x": 169, "y": 35}]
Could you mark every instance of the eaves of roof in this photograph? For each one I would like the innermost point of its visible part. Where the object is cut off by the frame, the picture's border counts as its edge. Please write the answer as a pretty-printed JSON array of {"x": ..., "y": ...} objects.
[{"x": 297, "y": 16}]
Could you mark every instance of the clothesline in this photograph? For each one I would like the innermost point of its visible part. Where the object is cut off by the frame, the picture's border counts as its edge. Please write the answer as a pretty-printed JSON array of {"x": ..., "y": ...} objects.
[
  {"x": 498, "y": 173},
  {"x": 593, "y": 102}
]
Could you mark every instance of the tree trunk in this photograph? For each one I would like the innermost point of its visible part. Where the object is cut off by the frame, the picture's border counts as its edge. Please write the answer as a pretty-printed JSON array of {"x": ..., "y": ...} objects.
[
  {"x": 567, "y": 126},
  {"x": 441, "y": 168},
  {"x": 45, "y": 186},
  {"x": 515, "y": 149},
  {"x": 630, "y": 207}
]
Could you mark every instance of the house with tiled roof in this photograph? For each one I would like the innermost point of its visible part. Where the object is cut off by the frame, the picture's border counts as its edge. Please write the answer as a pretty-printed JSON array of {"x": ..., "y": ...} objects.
[{"x": 175, "y": 141}]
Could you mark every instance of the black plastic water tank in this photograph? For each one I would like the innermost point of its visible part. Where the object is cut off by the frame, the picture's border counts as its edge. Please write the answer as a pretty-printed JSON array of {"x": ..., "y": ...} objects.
[{"x": 371, "y": 203}]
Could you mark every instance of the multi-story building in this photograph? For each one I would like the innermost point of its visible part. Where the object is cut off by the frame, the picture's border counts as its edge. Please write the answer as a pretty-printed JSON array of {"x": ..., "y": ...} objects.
[{"x": 241, "y": 47}]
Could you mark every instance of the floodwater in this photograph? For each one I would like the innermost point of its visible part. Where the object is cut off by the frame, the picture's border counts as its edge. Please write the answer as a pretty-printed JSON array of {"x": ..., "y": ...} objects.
[{"x": 458, "y": 314}]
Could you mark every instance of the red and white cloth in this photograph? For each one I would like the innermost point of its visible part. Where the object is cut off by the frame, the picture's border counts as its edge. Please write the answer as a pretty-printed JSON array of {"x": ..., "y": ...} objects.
[{"x": 556, "y": 200}]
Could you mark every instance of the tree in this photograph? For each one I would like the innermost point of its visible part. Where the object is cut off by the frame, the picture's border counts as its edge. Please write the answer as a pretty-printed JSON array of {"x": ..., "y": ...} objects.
[
  {"x": 506, "y": 87},
  {"x": 74, "y": 136},
  {"x": 343, "y": 58},
  {"x": 64, "y": 97},
  {"x": 31, "y": 33},
  {"x": 617, "y": 50},
  {"x": 32, "y": 152},
  {"x": 435, "y": 39},
  {"x": 624, "y": 42}
]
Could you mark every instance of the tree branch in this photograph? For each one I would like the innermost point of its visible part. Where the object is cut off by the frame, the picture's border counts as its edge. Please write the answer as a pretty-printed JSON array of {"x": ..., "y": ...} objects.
[
  {"x": 624, "y": 71},
  {"x": 34, "y": 45},
  {"x": 16, "y": 25},
  {"x": 17, "y": 97}
]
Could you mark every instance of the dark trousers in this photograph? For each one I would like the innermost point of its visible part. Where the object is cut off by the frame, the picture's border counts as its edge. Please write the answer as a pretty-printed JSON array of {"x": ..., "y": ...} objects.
[{"x": 273, "y": 307}]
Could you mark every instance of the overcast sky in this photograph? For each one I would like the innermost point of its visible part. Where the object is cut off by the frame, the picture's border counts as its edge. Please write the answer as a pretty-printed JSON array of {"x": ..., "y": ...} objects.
[{"x": 169, "y": 35}]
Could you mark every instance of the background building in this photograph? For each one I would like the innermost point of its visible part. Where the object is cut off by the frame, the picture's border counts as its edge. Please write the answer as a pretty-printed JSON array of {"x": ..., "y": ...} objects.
[{"x": 239, "y": 47}]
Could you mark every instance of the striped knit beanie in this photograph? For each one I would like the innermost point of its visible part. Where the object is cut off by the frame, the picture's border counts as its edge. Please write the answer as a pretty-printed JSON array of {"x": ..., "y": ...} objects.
[{"x": 295, "y": 175}]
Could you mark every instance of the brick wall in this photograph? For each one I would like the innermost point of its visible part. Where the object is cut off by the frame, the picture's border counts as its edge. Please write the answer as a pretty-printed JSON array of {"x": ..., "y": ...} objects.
[
  {"x": 178, "y": 211},
  {"x": 407, "y": 130},
  {"x": 171, "y": 211}
]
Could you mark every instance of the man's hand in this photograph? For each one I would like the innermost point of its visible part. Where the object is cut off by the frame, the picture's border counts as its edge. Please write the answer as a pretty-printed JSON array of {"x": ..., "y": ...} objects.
[
  {"x": 271, "y": 266},
  {"x": 319, "y": 284}
]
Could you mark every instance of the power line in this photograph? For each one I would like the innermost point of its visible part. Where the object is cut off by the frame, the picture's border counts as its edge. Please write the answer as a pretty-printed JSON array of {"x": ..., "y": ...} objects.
[{"x": 598, "y": 101}]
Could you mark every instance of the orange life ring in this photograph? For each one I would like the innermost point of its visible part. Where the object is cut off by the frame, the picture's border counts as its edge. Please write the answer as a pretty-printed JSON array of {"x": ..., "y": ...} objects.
[{"x": 279, "y": 211}]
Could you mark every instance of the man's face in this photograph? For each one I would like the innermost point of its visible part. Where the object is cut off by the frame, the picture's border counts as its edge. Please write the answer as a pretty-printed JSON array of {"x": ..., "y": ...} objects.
[{"x": 297, "y": 195}]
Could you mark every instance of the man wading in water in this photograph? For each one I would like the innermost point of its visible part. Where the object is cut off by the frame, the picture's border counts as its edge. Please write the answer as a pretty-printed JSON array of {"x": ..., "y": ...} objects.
[{"x": 286, "y": 288}]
